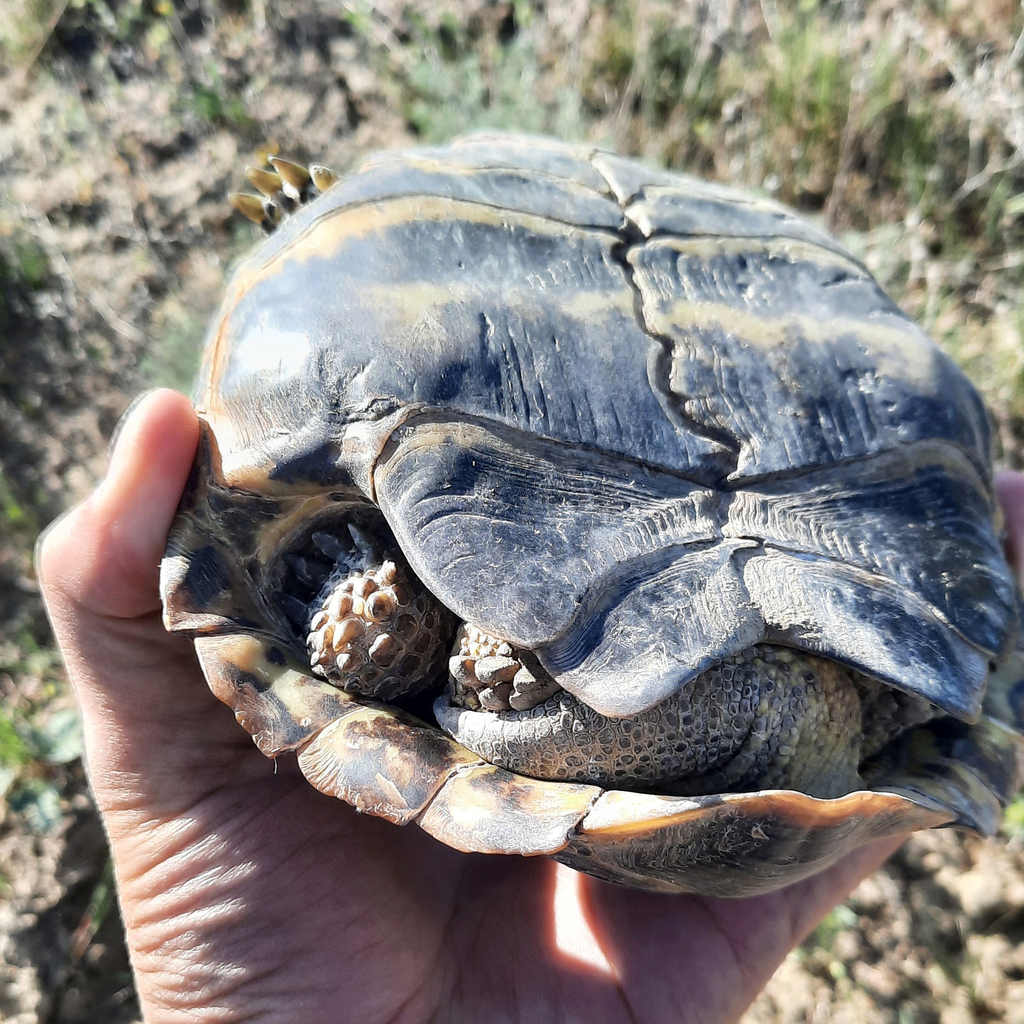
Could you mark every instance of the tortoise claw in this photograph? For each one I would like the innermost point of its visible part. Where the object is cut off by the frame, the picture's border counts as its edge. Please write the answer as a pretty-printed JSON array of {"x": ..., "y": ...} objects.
[
  {"x": 294, "y": 175},
  {"x": 331, "y": 547},
  {"x": 365, "y": 543},
  {"x": 260, "y": 211},
  {"x": 267, "y": 182},
  {"x": 323, "y": 177},
  {"x": 284, "y": 189},
  {"x": 248, "y": 205}
]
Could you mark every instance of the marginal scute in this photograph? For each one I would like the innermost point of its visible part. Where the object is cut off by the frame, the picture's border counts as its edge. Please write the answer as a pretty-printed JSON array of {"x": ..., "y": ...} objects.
[
  {"x": 279, "y": 706},
  {"x": 489, "y": 810},
  {"x": 869, "y": 623},
  {"x": 203, "y": 586},
  {"x": 732, "y": 845},
  {"x": 849, "y": 514},
  {"x": 382, "y": 761}
]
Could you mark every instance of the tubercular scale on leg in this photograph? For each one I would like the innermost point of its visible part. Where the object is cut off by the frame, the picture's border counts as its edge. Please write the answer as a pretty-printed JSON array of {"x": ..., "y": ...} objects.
[
  {"x": 487, "y": 673},
  {"x": 374, "y": 628}
]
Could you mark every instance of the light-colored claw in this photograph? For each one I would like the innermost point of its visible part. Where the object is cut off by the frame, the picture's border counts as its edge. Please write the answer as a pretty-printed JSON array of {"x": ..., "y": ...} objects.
[
  {"x": 460, "y": 671},
  {"x": 340, "y": 605},
  {"x": 266, "y": 182},
  {"x": 348, "y": 630},
  {"x": 488, "y": 674},
  {"x": 528, "y": 691},
  {"x": 323, "y": 177},
  {"x": 249, "y": 206},
  {"x": 297, "y": 176},
  {"x": 495, "y": 698}
]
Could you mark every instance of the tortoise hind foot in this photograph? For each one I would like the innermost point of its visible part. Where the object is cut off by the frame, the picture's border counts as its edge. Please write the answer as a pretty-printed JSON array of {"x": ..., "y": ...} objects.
[
  {"x": 490, "y": 674},
  {"x": 374, "y": 628},
  {"x": 283, "y": 190},
  {"x": 813, "y": 725}
]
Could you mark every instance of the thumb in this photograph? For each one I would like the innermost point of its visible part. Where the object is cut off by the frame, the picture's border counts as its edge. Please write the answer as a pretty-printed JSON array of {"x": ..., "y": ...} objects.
[
  {"x": 104, "y": 554},
  {"x": 153, "y": 731}
]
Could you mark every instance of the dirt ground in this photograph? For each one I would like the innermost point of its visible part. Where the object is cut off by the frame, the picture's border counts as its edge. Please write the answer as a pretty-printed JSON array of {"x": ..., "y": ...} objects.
[{"x": 124, "y": 124}]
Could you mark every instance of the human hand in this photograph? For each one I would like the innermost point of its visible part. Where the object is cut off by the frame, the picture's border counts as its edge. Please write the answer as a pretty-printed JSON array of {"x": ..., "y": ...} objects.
[{"x": 247, "y": 895}]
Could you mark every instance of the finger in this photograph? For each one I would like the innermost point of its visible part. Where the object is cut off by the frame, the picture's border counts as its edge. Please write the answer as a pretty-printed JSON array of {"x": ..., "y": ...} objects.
[
  {"x": 104, "y": 555},
  {"x": 1010, "y": 491},
  {"x": 150, "y": 723}
]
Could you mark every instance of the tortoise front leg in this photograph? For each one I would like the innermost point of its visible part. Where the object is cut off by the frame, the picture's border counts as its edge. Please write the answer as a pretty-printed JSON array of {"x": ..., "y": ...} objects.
[{"x": 373, "y": 628}]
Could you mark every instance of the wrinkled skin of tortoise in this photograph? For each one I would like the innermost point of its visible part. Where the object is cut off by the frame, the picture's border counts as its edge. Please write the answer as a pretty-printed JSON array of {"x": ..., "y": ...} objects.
[{"x": 634, "y": 426}]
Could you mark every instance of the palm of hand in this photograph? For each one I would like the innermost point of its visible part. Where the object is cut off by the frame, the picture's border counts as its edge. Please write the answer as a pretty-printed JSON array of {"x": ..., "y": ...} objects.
[{"x": 248, "y": 896}]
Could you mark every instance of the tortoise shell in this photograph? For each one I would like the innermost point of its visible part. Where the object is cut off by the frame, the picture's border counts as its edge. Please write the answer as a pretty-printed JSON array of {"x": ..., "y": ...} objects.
[{"x": 640, "y": 434}]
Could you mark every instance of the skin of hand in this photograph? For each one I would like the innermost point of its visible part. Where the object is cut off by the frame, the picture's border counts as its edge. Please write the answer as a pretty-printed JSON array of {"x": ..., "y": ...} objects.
[{"x": 248, "y": 896}]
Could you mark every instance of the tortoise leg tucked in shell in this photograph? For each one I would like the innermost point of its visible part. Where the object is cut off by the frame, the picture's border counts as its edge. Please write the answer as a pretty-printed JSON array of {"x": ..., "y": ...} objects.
[
  {"x": 375, "y": 629},
  {"x": 770, "y": 718}
]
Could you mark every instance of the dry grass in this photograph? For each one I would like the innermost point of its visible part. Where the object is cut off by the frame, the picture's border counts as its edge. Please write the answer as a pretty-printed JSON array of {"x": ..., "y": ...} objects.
[{"x": 897, "y": 123}]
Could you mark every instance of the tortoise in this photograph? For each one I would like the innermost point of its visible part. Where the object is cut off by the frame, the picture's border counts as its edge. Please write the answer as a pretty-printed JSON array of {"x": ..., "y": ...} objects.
[{"x": 565, "y": 506}]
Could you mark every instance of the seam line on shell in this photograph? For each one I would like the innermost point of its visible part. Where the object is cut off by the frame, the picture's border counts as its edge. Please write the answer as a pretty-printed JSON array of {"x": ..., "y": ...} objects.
[
  {"x": 424, "y": 412},
  {"x": 359, "y": 204},
  {"x": 658, "y": 367},
  {"x": 575, "y": 831},
  {"x": 369, "y": 166},
  {"x": 875, "y": 578},
  {"x": 752, "y": 481}
]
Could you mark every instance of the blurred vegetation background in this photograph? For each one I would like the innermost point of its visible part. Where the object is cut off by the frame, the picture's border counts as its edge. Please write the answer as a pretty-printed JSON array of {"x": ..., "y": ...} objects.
[{"x": 898, "y": 124}]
